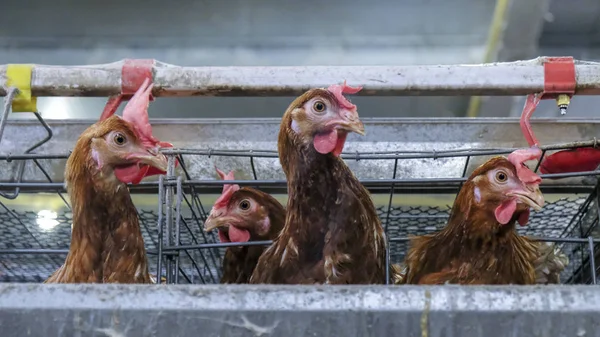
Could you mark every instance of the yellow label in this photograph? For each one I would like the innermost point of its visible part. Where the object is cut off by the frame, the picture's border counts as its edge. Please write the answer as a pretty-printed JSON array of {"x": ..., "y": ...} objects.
[{"x": 19, "y": 76}]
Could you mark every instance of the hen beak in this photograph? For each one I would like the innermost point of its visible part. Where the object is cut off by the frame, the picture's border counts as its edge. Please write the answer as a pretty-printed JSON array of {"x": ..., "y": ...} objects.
[
  {"x": 151, "y": 158},
  {"x": 350, "y": 122},
  {"x": 356, "y": 126},
  {"x": 215, "y": 221},
  {"x": 210, "y": 224},
  {"x": 531, "y": 196}
]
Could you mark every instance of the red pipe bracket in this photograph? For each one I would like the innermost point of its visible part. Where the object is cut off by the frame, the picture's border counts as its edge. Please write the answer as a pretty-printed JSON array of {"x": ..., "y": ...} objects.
[
  {"x": 133, "y": 74},
  {"x": 559, "y": 78}
]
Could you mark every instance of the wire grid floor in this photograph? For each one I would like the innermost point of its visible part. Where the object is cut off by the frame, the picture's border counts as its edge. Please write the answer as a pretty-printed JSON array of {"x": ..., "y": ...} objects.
[{"x": 30, "y": 254}]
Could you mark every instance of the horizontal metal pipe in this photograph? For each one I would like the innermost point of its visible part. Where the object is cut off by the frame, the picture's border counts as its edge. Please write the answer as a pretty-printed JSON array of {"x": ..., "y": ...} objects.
[
  {"x": 376, "y": 190},
  {"x": 494, "y": 79},
  {"x": 262, "y": 243},
  {"x": 383, "y": 155},
  {"x": 398, "y": 239},
  {"x": 267, "y": 182},
  {"x": 533, "y": 238}
]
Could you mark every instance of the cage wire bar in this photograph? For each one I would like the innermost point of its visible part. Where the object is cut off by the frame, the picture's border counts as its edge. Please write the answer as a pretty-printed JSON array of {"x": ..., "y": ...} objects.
[{"x": 181, "y": 252}]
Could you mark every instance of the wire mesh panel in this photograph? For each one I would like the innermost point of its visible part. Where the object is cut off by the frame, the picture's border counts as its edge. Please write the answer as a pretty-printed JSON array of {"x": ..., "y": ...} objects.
[
  {"x": 568, "y": 221},
  {"x": 34, "y": 244}
]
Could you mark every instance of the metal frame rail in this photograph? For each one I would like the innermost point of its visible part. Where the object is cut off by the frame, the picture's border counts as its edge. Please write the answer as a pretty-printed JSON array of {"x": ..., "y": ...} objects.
[
  {"x": 178, "y": 311},
  {"x": 493, "y": 79}
]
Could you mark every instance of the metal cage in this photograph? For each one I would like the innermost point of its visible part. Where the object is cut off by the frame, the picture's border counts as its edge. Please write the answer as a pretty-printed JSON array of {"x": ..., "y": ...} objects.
[
  {"x": 184, "y": 253},
  {"x": 412, "y": 167}
]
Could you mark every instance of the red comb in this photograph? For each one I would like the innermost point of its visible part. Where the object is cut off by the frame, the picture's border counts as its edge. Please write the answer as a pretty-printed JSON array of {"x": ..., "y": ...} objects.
[
  {"x": 136, "y": 113},
  {"x": 338, "y": 91},
  {"x": 519, "y": 157},
  {"x": 228, "y": 189}
]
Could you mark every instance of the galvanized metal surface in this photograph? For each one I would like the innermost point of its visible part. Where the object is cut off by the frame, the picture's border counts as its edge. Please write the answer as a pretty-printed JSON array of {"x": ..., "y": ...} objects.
[
  {"x": 509, "y": 78},
  {"x": 135, "y": 310},
  {"x": 392, "y": 135}
]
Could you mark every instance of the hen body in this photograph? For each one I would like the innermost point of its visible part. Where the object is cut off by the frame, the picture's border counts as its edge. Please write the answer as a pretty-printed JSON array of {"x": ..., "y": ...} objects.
[
  {"x": 447, "y": 258},
  {"x": 475, "y": 248},
  {"x": 332, "y": 233},
  {"x": 242, "y": 215},
  {"x": 106, "y": 241},
  {"x": 239, "y": 262},
  {"x": 548, "y": 264}
]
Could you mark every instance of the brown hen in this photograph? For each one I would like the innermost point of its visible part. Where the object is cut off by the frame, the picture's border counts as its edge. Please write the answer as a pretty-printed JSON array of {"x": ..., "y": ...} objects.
[
  {"x": 480, "y": 244},
  {"x": 550, "y": 262},
  {"x": 106, "y": 241},
  {"x": 332, "y": 233},
  {"x": 242, "y": 215}
]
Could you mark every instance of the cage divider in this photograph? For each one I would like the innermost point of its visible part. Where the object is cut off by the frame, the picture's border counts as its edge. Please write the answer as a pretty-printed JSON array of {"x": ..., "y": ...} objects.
[
  {"x": 179, "y": 193},
  {"x": 11, "y": 93},
  {"x": 387, "y": 221},
  {"x": 21, "y": 164},
  {"x": 593, "y": 196},
  {"x": 169, "y": 228},
  {"x": 204, "y": 236},
  {"x": 202, "y": 256},
  {"x": 592, "y": 259},
  {"x": 539, "y": 162},
  {"x": 161, "y": 200},
  {"x": 196, "y": 202}
]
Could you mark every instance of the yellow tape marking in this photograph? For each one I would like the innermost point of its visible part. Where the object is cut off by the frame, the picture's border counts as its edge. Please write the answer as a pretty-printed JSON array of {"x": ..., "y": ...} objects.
[{"x": 19, "y": 76}]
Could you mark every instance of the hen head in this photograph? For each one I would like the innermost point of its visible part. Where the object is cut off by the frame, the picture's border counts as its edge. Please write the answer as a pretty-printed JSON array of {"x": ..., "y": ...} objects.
[
  {"x": 506, "y": 187},
  {"x": 123, "y": 146},
  {"x": 323, "y": 118},
  {"x": 242, "y": 214}
]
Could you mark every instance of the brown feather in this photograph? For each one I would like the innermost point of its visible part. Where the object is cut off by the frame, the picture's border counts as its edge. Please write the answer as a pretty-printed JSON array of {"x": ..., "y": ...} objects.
[
  {"x": 332, "y": 233},
  {"x": 473, "y": 248},
  {"x": 106, "y": 241},
  {"x": 548, "y": 265},
  {"x": 398, "y": 273},
  {"x": 550, "y": 262}
]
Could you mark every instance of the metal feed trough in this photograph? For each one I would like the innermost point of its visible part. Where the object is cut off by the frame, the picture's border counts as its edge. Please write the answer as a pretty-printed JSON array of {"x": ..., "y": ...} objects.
[{"x": 413, "y": 168}]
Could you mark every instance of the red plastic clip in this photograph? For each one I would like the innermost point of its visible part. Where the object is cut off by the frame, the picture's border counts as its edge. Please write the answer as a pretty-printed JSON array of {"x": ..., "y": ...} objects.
[
  {"x": 133, "y": 74},
  {"x": 559, "y": 79}
]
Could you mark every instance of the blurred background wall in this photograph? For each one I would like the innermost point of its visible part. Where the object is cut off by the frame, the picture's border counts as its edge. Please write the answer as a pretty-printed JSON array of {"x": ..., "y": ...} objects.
[{"x": 309, "y": 32}]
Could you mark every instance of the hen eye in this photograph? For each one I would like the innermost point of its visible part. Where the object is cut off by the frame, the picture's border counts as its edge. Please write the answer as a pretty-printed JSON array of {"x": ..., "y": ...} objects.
[
  {"x": 119, "y": 139},
  {"x": 501, "y": 176},
  {"x": 245, "y": 205},
  {"x": 319, "y": 106}
]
